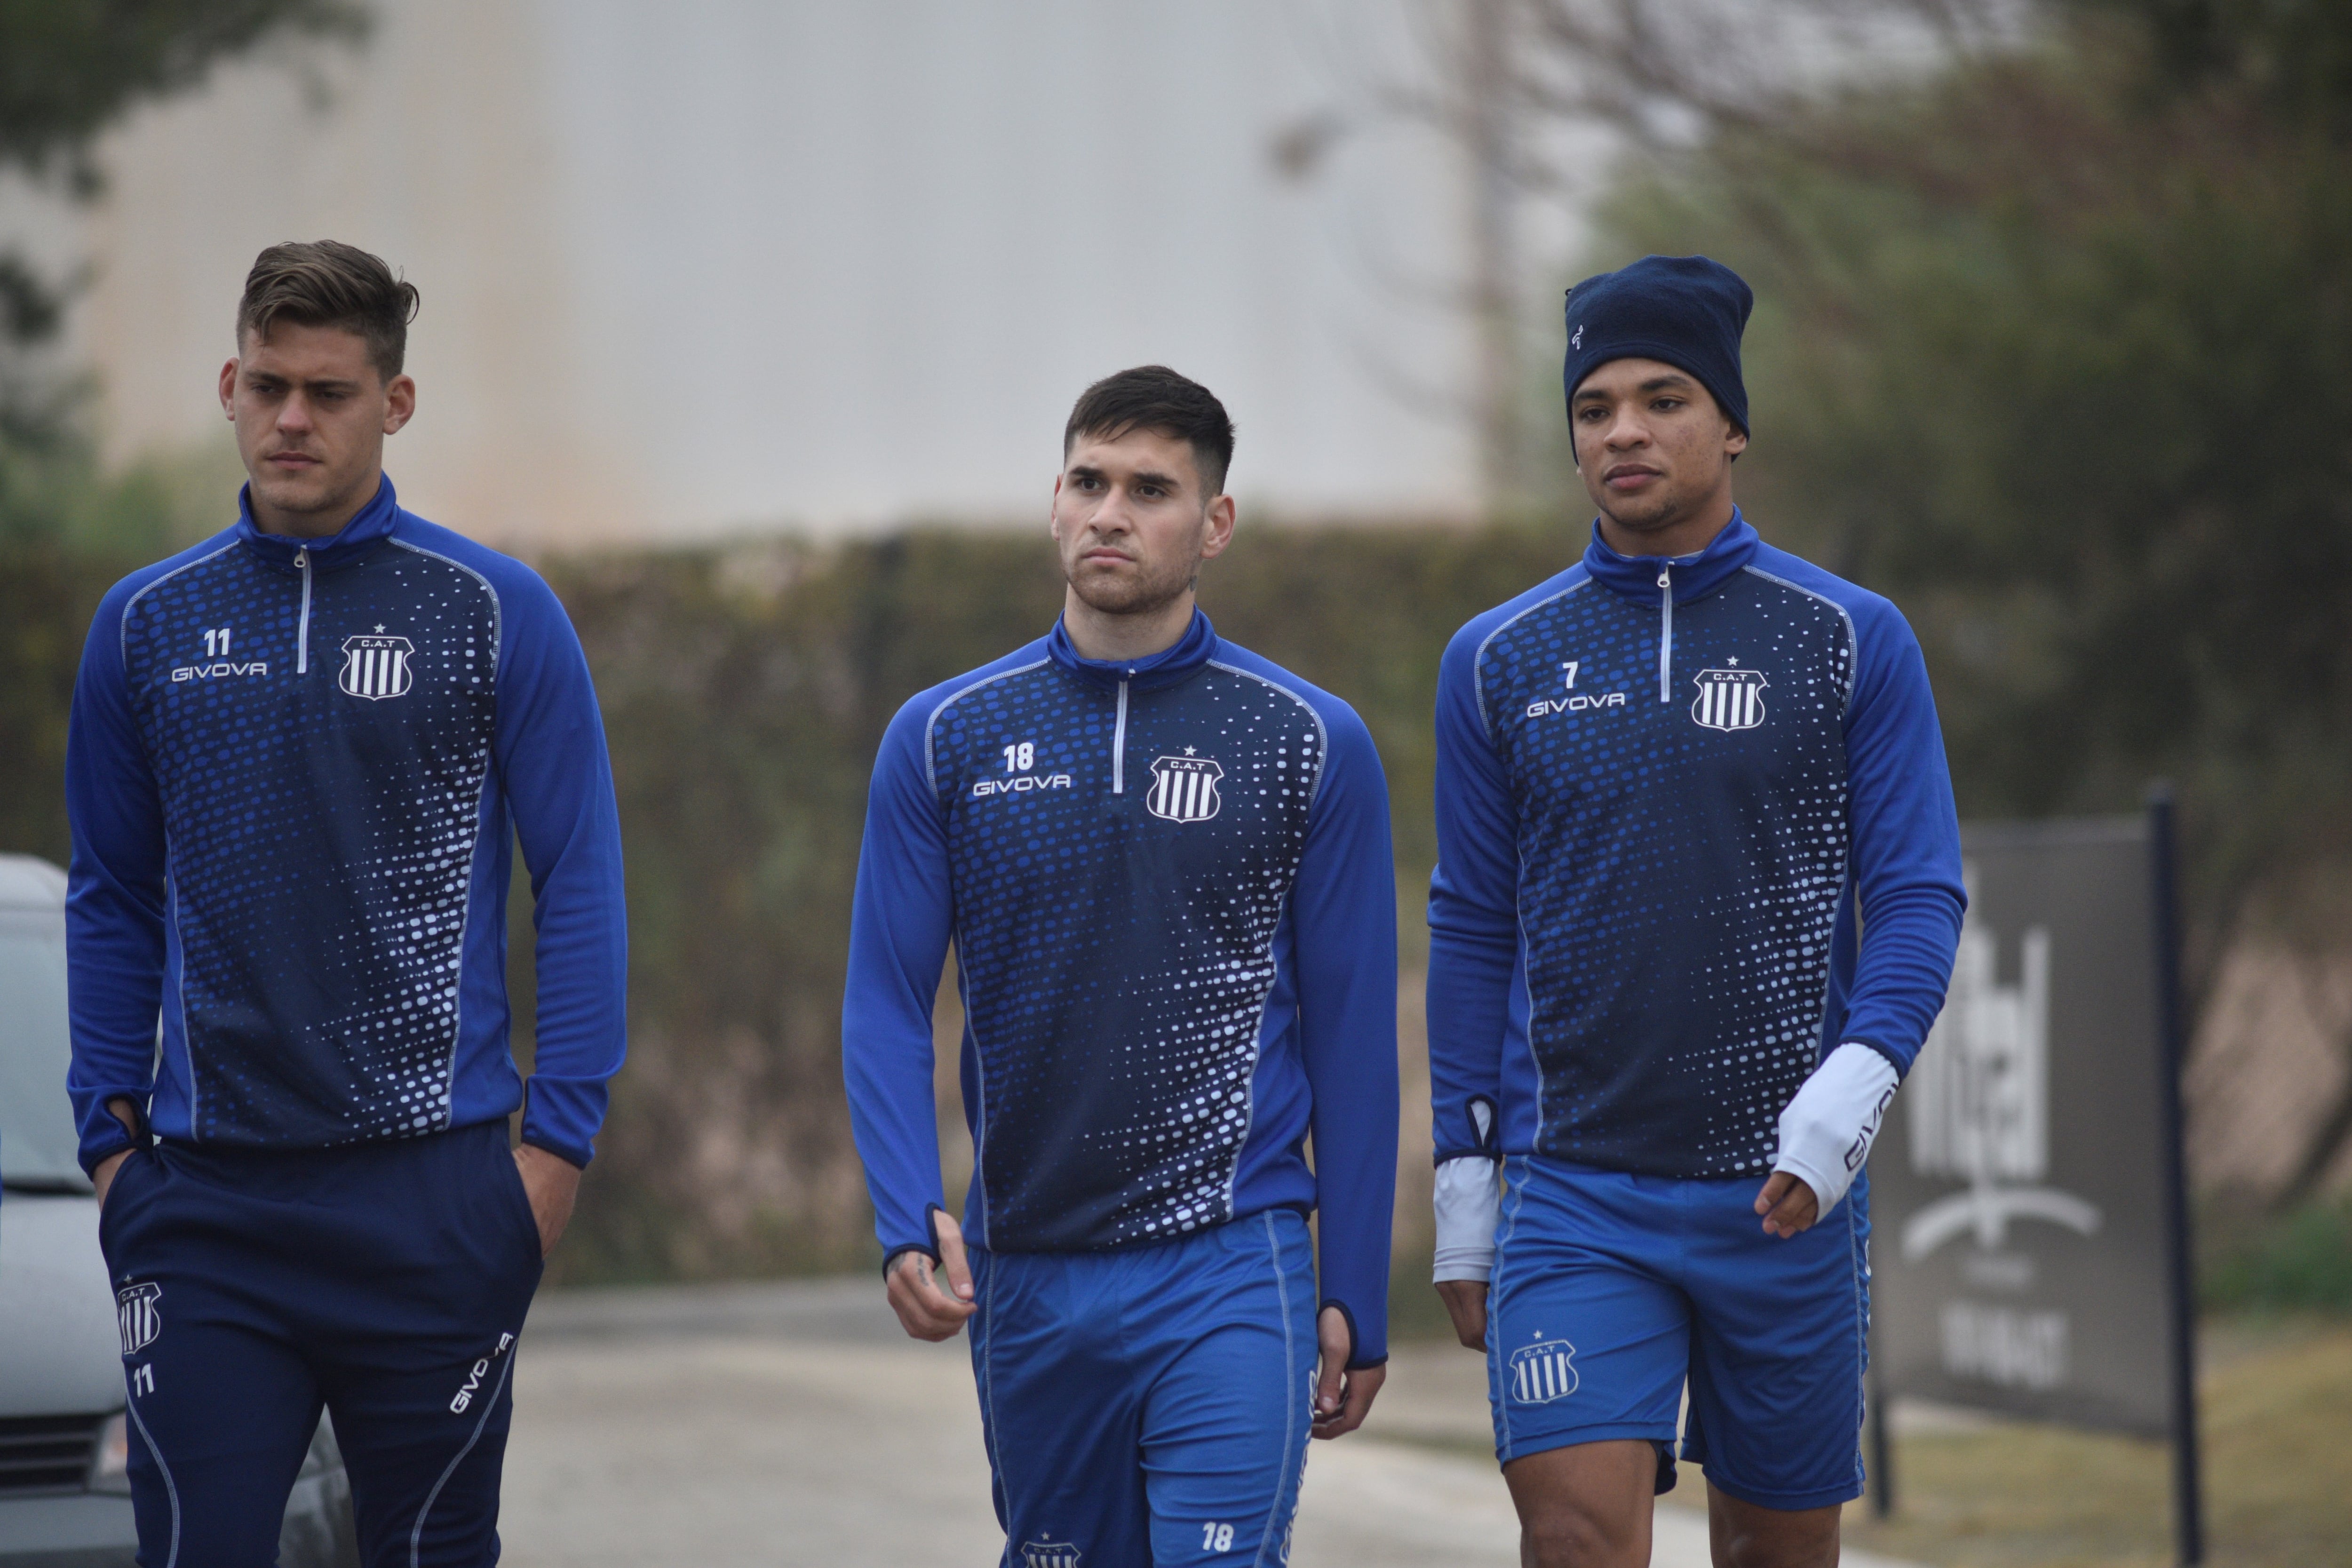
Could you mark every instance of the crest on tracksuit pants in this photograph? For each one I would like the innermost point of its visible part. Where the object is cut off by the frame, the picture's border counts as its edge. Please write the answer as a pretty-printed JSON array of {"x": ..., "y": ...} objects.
[
  {"x": 377, "y": 667},
  {"x": 136, "y": 1316},
  {"x": 1728, "y": 698},
  {"x": 1048, "y": 1554},
  {"x": 1184, "y": 789}
]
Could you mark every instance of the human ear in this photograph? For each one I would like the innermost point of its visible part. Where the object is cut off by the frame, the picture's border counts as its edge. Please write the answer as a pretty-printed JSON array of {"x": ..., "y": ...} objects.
[
  {"x": 1218, "y": 531},
  {"x": 399, "y": 404}
]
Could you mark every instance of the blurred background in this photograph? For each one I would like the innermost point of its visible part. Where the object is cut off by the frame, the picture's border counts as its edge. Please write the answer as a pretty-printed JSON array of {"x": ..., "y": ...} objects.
[{"x": 752, "y": 325}]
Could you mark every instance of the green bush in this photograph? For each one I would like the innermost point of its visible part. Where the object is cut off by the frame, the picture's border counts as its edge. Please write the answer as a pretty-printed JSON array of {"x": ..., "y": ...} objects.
[{"x": 2296, "y": 1262}]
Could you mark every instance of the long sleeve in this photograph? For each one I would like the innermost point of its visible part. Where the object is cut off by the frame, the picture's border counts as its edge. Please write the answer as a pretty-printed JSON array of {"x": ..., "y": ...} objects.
[
  {"x": 114, "y": 900},
  {"x": 1343, "y": 909},
  {"x": 1907, "y": 843},
  {"x": 1474, "y": 926},
  {"x": 899, "y": 931},
  {"x": 551, "y": 756}
]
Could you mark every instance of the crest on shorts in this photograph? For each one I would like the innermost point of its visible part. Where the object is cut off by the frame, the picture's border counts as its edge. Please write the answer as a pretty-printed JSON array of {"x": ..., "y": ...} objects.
[
  {"x": 135, "y": 1315},
  {"x": 1048, "y": 1554},
  {"x": 1543, "y": 1372},
  {"x": 1728, "y": 698},
  {"x": 1184, "y": 789},
  {"x": 377, "y": 667}
]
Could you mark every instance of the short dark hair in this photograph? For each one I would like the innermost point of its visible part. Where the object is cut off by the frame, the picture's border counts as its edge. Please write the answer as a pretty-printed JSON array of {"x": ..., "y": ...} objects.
[
  {"x": 1153, "y": 397},
  {"x": 326, "y": 283}
]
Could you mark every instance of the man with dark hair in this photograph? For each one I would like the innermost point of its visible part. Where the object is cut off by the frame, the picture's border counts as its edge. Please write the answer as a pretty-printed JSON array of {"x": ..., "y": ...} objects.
[
  {"x": 1165, "y": 866},
  {"x": 1698, "y": 898},
  {"x": 299, "y": 752}
]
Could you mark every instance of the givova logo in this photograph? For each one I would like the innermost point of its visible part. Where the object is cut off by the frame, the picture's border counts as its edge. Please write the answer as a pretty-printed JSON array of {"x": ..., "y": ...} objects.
[
  {"x": 135, "y": 1315},
  {"x": 482, "y": 1368},
  {"x": 1543, "y": 1372},
  {"x": 1575, "y": 701},
  {"x": 1025, "y": 784}
]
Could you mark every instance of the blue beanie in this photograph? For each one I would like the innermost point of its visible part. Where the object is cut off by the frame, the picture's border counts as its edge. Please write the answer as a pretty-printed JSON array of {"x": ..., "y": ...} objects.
[{"x": 1685, "y": 310}]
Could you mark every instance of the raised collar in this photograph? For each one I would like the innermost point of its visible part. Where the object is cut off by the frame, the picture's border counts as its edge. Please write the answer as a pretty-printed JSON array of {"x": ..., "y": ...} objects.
[
  {"x": 1635, "y": 577},
  {"x": 372, "y": 523},
  {"x": 1170, "y": 666}
]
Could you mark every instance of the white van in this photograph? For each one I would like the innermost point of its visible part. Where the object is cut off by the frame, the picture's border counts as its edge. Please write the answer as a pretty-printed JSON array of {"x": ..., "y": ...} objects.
[{"x": 65, "y": 1500}]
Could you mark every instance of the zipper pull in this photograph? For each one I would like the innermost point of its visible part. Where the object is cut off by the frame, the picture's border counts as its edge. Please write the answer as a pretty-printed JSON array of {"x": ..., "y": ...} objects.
[
  {"x": 1118, "y": 746},
  {"x": 302, "y": 632},
  {"x": 1666, "y": 633}
]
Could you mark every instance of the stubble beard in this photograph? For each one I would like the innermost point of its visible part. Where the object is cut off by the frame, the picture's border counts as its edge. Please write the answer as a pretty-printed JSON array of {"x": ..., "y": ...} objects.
[
  {"x": 321, "y": 491},
  {"x": 1141, "y": 595}
]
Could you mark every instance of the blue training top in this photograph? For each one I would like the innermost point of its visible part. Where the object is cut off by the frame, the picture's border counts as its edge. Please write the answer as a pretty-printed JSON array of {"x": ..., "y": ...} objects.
[
  {"x": 1661, "y": 785},
  {"x": 1171, "y": 893},
  {"x": 292, "y": 772}
]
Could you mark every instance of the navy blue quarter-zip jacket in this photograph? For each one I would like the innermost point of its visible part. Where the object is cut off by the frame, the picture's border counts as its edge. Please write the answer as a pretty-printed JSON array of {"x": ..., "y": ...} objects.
[
  {"x": 1694, "y": 830},
  {"x": 294, "y": 772},
  {"x": 1171, "y": 889}
]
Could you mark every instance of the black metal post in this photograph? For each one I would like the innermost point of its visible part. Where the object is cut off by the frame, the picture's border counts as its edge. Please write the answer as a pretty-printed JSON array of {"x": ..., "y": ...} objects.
[
  {"x": 1881, "y": 1453},
  {"x": 2188, "y": 1497}
]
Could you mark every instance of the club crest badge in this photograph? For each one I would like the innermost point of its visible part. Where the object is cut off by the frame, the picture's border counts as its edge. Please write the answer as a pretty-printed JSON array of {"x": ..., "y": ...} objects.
[
  {"x": 1543, "y": 1372},
  {"x": 1184, "y": 789},
  {"x": 377, "y": 667},
  {"x": 135, "y": 1314},
  {"x": 1728, "y": 698},
  {"x": 1048, "y": 1554}
]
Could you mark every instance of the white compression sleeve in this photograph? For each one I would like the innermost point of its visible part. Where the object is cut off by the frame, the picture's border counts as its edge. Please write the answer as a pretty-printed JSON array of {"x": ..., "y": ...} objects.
[
  {"x": 1828, "y": 1128},
  {"x": 1468, "y": 1201}
]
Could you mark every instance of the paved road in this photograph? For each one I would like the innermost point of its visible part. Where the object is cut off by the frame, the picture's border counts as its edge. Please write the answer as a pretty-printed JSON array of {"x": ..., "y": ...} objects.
[{"x": 785, "y": 1425}]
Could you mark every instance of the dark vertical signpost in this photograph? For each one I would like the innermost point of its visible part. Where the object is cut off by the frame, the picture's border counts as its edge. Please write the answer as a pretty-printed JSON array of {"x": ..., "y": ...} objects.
[
  {"x": 2029, "y": 1219},
  {"x": 2187, "y": 1488}
]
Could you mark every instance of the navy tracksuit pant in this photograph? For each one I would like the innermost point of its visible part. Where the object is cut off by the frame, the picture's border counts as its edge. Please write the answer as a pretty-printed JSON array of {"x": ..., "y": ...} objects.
[{"x": 384, "y": 1281}]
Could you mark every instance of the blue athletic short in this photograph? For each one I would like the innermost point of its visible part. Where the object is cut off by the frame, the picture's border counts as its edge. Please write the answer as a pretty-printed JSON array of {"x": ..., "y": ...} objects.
[
  {"x": 1149, "y": 1406},
  {"x": 1610, "y": 1290}
]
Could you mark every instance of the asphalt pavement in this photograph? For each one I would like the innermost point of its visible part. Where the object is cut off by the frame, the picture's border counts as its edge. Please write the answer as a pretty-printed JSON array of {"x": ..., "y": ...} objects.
[{"x": 781, "y": 1424}]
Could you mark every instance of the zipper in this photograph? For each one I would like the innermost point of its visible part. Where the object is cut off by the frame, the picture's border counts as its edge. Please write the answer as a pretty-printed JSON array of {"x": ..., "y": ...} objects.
[
  {"x": 1666, "y": 634},
  {"x": 302, "y": 632},
  {"x": 1118, "y": 746}
]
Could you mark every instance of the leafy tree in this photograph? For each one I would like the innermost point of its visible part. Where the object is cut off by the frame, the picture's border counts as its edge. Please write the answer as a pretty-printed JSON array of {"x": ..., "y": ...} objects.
[
  {"x": 2054, "y": 344},
  {"x": 70, "y": 70}
]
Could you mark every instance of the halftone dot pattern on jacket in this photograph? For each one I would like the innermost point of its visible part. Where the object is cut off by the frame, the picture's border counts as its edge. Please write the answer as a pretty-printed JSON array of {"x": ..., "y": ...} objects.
[
  {"x": 1115, "y": 961},
  {"x": 322, "y": 842},
  {"x": 1681, "y": 878}
]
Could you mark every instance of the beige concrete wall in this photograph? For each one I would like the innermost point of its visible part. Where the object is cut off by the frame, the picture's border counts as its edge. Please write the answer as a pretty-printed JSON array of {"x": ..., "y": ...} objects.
[{"x": 724, "y": 264}]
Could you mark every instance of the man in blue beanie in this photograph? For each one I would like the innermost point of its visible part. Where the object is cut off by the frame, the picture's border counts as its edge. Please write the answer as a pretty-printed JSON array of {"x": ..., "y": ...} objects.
[{"x": 1697, "y": 902}]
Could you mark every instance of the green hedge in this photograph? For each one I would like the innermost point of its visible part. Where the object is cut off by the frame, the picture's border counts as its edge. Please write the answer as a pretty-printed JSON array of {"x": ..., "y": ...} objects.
[
  {"x": 2297, "y": 1262},
  {"x": 744, "y": 693}
]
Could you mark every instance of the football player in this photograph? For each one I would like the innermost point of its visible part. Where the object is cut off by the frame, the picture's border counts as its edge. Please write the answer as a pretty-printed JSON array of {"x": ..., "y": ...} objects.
[
  {"x": 1164, "y": 865},
  {"x": 300, "y": 753},
  {"x": 1697, "y": 898}
]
